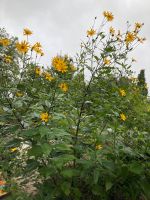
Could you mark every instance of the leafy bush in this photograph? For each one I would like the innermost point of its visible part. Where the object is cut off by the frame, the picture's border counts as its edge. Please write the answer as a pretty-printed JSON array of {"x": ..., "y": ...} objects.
[{"x": 70, "y": 137}]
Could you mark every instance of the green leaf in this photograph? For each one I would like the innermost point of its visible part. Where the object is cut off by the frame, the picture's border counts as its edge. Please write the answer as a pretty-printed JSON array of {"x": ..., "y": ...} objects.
[
  {"x": 136, "y": 168},
  {"x": 46, "y": 148},
  {"x": 65, "y": 186},
  {"x": 96, "y": 176},
  {"x": 108, "y": 184},
  {"x": 68, "y": 173},
  {"x": 36, "y": 151}
]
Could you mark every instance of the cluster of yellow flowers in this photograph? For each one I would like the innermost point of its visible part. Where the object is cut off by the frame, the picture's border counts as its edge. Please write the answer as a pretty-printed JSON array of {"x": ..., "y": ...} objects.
[
  {"x": 59, "y": 64},
  {"x": 46, "y": 74},
  {"x": 4, "y": 42},
  {"x": 24, "y": 46},
  {"x": 108, "y": 16}
]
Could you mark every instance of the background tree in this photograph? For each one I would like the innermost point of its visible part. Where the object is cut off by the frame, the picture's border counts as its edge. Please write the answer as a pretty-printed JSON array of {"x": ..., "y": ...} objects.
[{"x": 142, "y": 83}]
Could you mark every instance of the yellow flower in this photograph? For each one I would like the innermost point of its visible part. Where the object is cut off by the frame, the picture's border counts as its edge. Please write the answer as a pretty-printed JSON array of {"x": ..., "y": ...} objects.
[
  {"x": 36, "y": 45},
  {"x": 38, "y": 50},
  {"x": 14, "y": 149},
  {"x": 23, "y": 47},
  {"x": 44, "y": 117},
  {"x": 48, "y": 76},
  {"x": 38, "y": 71},
  {"x": 27, "y": 31},
  {"x": 4, "y": 42},
  {"x": 123, "y": 117},
  {"x": 130, "y": 37},
  {"x": 59, "y": 64},
  {"x": 108, "y": 15},
  {"x": 106, "y": 61},
  {"x": 63, "y": 87},
  {"x": 122, "y": 92},
  {"x": 19, "y": 94},
  {"x": 112, "y": 31},
  {"x": 91, "y": 32},
  {"x": 98, "y": 147},
  {"x": 7, "y": 59}
]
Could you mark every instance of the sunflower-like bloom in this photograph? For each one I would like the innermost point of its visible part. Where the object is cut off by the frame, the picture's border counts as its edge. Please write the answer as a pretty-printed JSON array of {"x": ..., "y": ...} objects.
[
  {"x": 22, "y": 47},
  {"x": 130, "y": 37},
  {"x": 7, "y": 59},
  {"x": 106, "y": 61},
  {"x": 91, "y": 32},
  {"x": 108, "y": 15},
  {"x": 48, "y": 76},
  {"x": 27, "y": 32},
  {"x": 63, "y": 87},
  {"x": 4, "y": 42},
  {"x": 44, "y": 117},
  {"x": 98, "y": 147},
  {"x": 122, "y": 92},
  {"x": 38, "y": 71},
  {"x": 59, "y": 64},
  {"x": 123, "y": 117}
]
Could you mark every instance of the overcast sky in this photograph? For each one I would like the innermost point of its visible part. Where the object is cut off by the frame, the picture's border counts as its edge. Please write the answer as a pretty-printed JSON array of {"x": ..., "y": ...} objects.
[{"x": 60, "y": 25}]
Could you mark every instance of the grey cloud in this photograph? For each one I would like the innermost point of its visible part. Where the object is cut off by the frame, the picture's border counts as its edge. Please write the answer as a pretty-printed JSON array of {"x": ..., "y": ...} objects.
[{"x": 60, "y": 25}]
